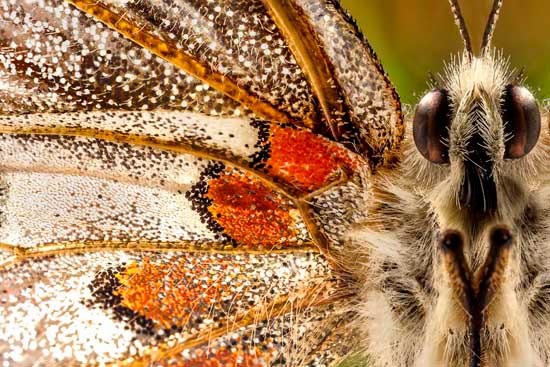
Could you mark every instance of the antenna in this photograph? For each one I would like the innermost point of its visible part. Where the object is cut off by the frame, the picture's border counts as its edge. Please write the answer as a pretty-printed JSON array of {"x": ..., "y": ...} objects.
[
  {"x": 459, "y": 20},
  {"x": 491, "y": 23}
]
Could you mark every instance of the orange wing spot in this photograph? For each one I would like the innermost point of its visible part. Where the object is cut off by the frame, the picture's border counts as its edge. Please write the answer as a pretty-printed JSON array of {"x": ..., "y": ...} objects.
[
  {"x": 225, "y": 357},
  {"x": 172, "y": 294},
  {"x": 306, "y": 160},
  {"x": 251, "y": 213}
]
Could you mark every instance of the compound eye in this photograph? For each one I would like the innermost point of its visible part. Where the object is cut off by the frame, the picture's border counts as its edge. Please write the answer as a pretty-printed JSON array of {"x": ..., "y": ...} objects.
[
  {"x": 431, "y": 124},
  {"x": 521, "y": 117}
]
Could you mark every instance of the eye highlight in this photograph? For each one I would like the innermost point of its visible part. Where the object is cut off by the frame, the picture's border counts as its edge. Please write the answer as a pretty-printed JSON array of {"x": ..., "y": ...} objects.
[
  {"x": 431, "y": 126},
  {"x": 521, "y": 118}
]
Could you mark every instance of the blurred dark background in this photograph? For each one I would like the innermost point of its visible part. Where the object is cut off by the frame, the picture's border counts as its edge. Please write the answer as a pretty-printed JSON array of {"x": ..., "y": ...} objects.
[{"x": 415, "y": 37}]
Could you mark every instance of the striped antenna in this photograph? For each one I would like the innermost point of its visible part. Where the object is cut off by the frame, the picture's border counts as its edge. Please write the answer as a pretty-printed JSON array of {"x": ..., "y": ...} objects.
[
  {"x": 459, "y": 20},
  {"x": 490, "y": 27}
]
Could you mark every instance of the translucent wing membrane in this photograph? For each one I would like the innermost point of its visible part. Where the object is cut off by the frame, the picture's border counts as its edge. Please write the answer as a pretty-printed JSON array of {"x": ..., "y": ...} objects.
[
  {"x": 171, "y": 192},
  {"x": 233, "y": 46},
  {"x": 149, "y": 305},
  {"x": 7, "y": 255},
  {"x": 296, "y": 158},
  {"x": 56, "y": 58},
  {"x": 236, "y": 39},
  {"x": 373, "y": 127}
]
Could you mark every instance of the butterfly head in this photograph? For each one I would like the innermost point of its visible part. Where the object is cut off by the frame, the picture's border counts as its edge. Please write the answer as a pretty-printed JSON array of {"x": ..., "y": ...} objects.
[
  {"x": 459, "y": 252},
  {"x": 479, "y": 122},
  {"x": 476, "y": 136}
]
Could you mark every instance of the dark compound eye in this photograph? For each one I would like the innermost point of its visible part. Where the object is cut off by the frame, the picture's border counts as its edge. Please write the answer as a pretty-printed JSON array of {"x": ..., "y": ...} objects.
[
  {"x": 431, "y": 126},
  {"x": 521, "y": 117}
]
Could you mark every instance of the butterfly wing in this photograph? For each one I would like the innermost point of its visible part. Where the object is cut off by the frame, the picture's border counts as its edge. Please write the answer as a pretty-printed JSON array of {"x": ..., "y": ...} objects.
[
  {"x": 145, "y": 255},
  {"x": 300, "y": 61},
  {"x": 178, "y": 199}
]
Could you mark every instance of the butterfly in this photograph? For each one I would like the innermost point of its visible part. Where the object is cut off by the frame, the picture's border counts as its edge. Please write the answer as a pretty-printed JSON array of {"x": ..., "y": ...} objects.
[{"x": 232, "y": 183}]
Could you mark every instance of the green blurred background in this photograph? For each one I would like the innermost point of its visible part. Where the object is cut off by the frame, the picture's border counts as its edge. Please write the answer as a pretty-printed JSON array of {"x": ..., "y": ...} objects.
[{"x": 415, "y": 37}]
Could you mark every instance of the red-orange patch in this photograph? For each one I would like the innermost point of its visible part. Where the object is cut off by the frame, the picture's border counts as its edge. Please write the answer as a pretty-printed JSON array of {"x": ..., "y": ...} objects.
[
  {"x": 250, "y": 212},
  {"x": 306, "y": 160},
  {"x": 170, "y": 294}
]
